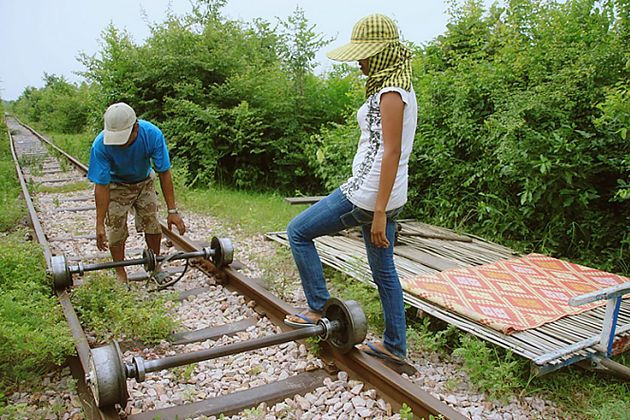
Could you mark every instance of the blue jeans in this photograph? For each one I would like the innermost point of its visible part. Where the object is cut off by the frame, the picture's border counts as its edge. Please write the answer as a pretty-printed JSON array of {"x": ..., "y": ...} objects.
[{"x": 334, "y": 214}]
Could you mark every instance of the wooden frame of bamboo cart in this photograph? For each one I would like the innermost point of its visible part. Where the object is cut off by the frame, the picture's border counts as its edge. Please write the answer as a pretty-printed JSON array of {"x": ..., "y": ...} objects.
[{"x": 429, "y": 249}]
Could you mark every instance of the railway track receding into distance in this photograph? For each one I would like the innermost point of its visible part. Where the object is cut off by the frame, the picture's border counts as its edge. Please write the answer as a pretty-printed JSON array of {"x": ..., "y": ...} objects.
[{"x": 223, "y": 311}]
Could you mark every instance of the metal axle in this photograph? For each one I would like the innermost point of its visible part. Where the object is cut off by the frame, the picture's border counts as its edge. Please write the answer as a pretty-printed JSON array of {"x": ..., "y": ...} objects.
[
  {"x": 148, "y": 258},
  {"x": 343, "y": 325},
  {"x": 139, "y": 367},
  {"x": 220, "y": 252}
]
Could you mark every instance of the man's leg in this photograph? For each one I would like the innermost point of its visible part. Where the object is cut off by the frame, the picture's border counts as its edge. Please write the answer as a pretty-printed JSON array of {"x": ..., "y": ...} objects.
[
  {"x": 153, "y": 241},
  {"x": 121, "y": 197},
  {"x": 146, "y": 207},
  {"x": 118, "y": 254}
]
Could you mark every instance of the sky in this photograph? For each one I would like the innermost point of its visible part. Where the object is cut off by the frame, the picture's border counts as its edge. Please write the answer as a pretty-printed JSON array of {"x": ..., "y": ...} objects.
[{"x": 38, "y": 36}]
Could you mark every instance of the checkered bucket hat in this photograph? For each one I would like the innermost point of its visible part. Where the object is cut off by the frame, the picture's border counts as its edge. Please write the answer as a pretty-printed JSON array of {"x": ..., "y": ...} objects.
[{"x": 370, "y": 35}]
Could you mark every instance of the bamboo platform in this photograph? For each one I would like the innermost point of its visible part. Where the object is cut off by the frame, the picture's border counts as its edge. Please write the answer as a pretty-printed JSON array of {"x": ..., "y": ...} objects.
[{"x": 425, "y": 249}]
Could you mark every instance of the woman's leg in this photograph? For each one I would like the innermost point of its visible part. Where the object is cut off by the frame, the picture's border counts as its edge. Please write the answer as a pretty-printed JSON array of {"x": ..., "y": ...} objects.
[
  {"x": 322, "y": 218},
  {"x": 389, "y": 289}
]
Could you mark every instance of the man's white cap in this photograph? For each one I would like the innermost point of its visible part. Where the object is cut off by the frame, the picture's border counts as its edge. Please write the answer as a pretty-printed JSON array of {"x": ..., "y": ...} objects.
[{"x": 119, "y": 120}]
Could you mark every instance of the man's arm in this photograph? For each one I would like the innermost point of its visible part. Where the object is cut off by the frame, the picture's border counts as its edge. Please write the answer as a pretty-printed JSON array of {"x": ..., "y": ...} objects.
[
  {"x": 166, "y": 183},
  {"x": 101, "y": 196}
]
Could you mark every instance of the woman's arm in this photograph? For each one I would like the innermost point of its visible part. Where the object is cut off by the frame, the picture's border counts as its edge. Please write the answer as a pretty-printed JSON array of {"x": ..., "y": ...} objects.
[{"x": 392, "y": 108}]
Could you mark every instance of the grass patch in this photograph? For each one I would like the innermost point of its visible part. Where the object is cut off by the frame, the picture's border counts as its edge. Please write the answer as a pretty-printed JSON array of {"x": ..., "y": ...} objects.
[
  {"x": 33, "y": 331},
  {"x": 76, "y": 145},
  {"x": 491, "y": 370},
  {"x": 279, "y": 272},
  {"x": 254, "y": 213},
  {"x": 112, "y": 312},
  {"x": 11, "y": 207},
  {"x": 587, "y": 395},
  {"x": 60, "y": 189},
  {"x": 422, "y": 335}
]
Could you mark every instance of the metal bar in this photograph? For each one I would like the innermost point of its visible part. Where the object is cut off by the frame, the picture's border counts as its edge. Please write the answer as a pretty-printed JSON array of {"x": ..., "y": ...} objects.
[
  {"x": 395, "y": 387},
  {"x": 75, "y": 162},
  {"x": 74, "y": 269},
  {"x": 603, "y": 294},
  {"x": 32, "y": 215},
  {"x": 184, "y": 255},
  {"x": 622, "y": 371},
  {"x": 235, "y": 348},
  {"x": 609, "y": 325},
  {"x": 541, "y": 360}
]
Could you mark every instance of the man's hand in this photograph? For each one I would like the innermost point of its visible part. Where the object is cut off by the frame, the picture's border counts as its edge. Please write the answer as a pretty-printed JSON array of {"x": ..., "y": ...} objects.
[
  {"x": 377, "y": 233},
  {"x": 101, "y": 238},
  {"x": 176, "y": 219}
]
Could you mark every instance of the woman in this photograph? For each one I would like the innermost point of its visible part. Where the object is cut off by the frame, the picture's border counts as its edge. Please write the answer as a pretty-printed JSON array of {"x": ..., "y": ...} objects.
[{"x": 377, "y": 190}]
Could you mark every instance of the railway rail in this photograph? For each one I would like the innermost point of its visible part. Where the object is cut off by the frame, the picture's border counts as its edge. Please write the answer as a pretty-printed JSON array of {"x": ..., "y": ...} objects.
[{"x": 108, "y": 362}]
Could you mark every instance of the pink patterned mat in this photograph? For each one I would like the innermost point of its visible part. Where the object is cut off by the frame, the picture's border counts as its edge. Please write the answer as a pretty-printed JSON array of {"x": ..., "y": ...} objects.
[{"x": 513, "y": 295}]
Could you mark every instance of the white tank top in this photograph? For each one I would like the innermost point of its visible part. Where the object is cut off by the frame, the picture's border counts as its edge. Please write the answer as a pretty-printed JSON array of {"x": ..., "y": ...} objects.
[{"x": 362, "y": 187}]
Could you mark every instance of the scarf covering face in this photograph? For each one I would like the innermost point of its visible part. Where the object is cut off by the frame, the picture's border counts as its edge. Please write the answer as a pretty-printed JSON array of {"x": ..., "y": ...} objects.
[{"x": 390, "y": 67}]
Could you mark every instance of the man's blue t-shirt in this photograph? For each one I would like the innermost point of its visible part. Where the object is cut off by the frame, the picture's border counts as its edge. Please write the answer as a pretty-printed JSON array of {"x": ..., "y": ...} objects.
[{"x": 129, "y": 164}]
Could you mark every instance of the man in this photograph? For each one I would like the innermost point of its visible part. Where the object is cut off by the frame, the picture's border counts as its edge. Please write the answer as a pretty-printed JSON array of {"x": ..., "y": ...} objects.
[{"x": 120, "y": 168}]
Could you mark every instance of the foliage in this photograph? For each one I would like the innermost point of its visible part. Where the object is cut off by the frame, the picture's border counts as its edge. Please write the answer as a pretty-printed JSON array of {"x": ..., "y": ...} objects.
[
  {"x": 59, "y": 106},
  {"x": 76, "y": 145},
  {"x": 279, "y": 273},
  {"x": 522, "y": 118},
  {"x": 236, "y": 101},
  {"x": 65, "y": 188},
  {"x": 592, "y": 396},
  {"x": 106, "y": 307},
  {"x": 314, "y": 346},
  {"x": 405, "y": 412},
  {"x": 33, "y": 332},
  {"x": 367, "y": 297},
  {"x": 252, "y": 213},
  {"x": 487, "y": 369},
  {"x": 11, "y": 208},
  {"x": 421, "y": 336},
  {"x": 298, "y": 50}
]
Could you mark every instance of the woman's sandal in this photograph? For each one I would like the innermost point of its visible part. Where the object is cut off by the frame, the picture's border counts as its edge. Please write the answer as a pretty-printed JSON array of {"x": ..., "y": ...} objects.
[
  {"x": 305, "y": 320},
  {"x": 370, "y": 348}
]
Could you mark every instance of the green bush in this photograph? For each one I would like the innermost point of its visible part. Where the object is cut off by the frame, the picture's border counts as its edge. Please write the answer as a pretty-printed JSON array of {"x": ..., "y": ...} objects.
[
  {"x": 521, "y": 124},
  {"x": 59, "y": 106},
  {"x": 11, "y": 208},
  {"x": 488, "y": 370},
  {"x": 237, "y": 101},
  {"x": 33, "y": 331}
]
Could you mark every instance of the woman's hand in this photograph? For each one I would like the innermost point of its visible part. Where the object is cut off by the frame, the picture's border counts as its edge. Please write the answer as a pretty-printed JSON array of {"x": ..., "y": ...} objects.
[{"x": 377, "y": 233}]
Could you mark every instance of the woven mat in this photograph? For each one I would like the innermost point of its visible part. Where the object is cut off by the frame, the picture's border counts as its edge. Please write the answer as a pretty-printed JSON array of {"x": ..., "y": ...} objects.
[{"x": 513, "y": 295}]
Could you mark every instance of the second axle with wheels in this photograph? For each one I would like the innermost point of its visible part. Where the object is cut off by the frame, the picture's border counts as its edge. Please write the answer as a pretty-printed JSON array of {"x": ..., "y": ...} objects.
[
  {"x": 343, "y": 325},
  {"x": 220, "y": 251}
]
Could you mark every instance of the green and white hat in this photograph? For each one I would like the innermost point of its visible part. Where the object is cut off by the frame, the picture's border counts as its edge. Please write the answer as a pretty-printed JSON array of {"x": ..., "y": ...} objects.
[{"x": 370, "y": 35}]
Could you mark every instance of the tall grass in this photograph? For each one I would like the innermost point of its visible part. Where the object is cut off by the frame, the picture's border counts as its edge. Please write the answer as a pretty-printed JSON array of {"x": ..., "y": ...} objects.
[{"x": 252, "y": 212}]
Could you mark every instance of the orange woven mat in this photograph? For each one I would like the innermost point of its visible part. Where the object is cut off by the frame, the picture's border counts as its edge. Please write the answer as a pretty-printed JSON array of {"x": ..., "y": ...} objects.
[{"x": 513, "y": 295}]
